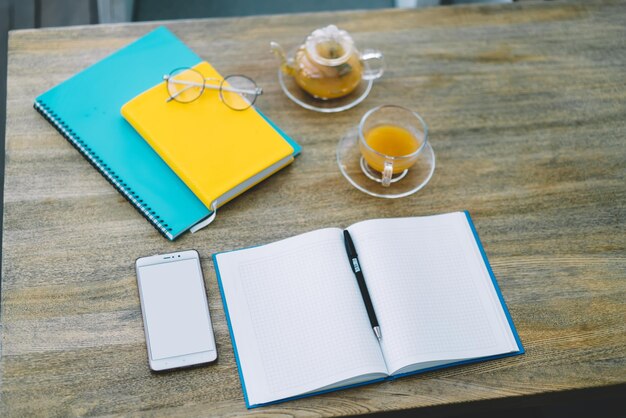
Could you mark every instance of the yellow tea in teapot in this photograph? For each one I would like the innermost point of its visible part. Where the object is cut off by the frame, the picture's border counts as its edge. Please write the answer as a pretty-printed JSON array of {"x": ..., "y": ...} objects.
[
  {"x": 334, "y": 73},
  {"x": 328, "y": 65}
]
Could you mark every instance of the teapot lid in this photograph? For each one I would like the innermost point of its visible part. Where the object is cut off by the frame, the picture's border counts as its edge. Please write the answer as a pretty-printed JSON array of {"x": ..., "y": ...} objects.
[{"x": 329, "y": 45}]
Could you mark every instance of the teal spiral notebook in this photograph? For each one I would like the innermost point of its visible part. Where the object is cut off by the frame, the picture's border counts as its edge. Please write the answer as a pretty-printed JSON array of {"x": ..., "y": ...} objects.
[
  {"x": 299, "y": 326},
  {"x": 85, "y": 109}
]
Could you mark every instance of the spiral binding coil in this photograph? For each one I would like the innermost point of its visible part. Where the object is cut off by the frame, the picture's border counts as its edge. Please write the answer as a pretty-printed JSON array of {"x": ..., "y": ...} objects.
[{"x": 104, "y": 169}]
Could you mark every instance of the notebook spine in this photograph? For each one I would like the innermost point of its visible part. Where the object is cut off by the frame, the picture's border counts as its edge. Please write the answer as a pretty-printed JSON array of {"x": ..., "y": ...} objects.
[{"x": 103, "y": 168}]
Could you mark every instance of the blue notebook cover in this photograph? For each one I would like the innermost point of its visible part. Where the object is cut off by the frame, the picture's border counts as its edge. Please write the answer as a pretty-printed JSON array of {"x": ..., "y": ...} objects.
[
  {"x": 389, "y": 378},
  {"x": 85, "y": 109}
]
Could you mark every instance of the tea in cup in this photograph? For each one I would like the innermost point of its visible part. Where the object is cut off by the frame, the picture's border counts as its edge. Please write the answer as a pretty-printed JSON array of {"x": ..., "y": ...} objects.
[
  {"x": 390, "y": 139},
  {"x": 328, "y": 65}
]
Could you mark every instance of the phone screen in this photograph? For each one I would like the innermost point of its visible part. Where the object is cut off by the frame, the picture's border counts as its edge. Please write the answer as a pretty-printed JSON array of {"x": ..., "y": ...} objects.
[{"x": 175, "y": 309}]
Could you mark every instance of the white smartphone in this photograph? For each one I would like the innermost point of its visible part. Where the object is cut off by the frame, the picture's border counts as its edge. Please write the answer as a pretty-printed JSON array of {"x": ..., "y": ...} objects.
[{"x": 175, "y": 311}]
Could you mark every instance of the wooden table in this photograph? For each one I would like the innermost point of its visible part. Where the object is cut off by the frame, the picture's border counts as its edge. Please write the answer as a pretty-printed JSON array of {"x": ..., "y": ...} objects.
[{"x": 527, "y": 109}]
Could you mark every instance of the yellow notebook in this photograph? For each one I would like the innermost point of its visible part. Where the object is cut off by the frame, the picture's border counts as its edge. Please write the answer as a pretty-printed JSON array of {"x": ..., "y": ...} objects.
[{"x": 217, "y": 151}]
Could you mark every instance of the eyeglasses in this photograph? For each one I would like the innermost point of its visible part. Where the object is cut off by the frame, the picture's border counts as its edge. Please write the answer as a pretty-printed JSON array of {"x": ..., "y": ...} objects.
[{"x": 236, "y": 91}]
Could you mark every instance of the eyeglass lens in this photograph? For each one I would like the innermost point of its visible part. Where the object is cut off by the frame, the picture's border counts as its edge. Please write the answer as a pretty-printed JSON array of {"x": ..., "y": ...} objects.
[
  {"x": 238, "y": 92},
  {"x": 185, "y": 85}
]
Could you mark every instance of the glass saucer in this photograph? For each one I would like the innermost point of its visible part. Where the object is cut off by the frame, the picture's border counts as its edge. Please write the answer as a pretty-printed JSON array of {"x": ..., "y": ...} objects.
[
  {"x": 304, "y": 99},
  {"x": 403, "y": 184}
]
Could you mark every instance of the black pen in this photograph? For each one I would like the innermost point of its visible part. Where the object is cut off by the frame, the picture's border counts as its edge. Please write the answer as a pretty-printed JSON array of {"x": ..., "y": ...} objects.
[{"x": 356, "y": 268}]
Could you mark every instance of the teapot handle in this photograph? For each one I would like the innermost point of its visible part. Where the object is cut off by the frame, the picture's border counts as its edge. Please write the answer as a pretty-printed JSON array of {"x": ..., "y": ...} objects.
[{"x": 373, "y": 64}]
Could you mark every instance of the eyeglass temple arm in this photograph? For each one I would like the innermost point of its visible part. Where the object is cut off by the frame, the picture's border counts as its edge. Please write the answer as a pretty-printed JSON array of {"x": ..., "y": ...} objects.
[{"x": 173, "y": 96}]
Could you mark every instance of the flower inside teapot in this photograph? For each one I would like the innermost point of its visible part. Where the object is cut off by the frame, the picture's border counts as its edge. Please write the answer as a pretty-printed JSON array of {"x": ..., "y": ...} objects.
[{"x": 328, "y": 65}]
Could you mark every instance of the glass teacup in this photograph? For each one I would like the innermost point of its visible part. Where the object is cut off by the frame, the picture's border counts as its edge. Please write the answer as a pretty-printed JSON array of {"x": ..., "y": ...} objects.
[{"x": 390, "y": 139}]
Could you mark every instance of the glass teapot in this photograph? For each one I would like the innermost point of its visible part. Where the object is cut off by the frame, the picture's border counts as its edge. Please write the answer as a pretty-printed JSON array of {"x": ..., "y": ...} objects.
[{"x": 328, "y": 65}]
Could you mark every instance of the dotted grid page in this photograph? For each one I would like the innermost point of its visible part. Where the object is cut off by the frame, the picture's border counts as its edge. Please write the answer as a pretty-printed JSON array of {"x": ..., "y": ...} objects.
[
  {"x": 297, "y": 316},
  {"x": 433, "y": 296}
]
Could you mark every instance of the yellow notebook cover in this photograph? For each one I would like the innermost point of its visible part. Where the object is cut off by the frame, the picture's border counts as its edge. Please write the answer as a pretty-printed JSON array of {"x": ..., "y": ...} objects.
[{"x": 217, "y": 151}]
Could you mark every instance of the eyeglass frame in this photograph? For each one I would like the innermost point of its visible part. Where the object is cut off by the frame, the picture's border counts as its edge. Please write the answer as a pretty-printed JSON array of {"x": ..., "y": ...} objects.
[{"x": 168, "y": 78}]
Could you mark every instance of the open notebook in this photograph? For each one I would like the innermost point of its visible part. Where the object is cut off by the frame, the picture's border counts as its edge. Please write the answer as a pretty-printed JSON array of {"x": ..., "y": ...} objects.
[{"x": 299, "y": 325}]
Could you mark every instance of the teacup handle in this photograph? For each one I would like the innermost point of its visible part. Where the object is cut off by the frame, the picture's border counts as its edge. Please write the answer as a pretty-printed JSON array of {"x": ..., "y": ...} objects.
[
  {"x": 375, "y": 65},
  {"x": 387, "y": 174}
]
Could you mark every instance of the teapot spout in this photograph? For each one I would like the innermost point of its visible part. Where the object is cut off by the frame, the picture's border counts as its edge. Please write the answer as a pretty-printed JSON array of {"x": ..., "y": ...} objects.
[{"x": 286, "y": 65}]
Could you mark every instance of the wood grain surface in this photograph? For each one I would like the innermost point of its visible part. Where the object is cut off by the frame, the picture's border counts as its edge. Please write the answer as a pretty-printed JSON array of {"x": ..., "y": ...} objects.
[{"x": 526, "y": 105}]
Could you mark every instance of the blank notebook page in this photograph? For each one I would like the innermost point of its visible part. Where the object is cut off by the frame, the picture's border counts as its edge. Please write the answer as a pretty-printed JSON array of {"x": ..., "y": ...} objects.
[
  {"x": 298, "y": 319},
  {"x": 431, "y": 291}
]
